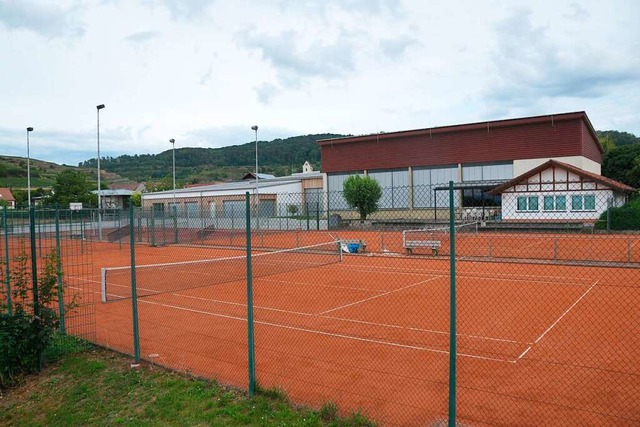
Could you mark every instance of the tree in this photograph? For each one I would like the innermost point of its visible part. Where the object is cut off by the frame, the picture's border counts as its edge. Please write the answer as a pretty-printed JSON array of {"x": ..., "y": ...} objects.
[
  {"x": 136, "y": 199},
  {"x": 72, "y": 186},
  {"x": 362, "y": 193},
  {"x": 623, "y": 164},
  {"x": 607, "y": 143}
]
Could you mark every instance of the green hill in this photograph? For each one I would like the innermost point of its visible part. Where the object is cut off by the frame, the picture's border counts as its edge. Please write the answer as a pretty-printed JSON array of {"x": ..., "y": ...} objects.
[{"x": 193, "y": 165}]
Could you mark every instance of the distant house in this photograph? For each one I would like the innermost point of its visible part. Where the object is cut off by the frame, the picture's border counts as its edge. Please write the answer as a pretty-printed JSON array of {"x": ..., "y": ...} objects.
[
  {"x": 136, "y": 187},
  {"x": 7, "y": 196},
  {"x": 557, "y": 191}
]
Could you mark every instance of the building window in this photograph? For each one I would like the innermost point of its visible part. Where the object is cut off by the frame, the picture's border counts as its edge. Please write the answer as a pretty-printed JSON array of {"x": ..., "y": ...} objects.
[
  {"x": 583, "y": 203},
  {"x": 555, "y": 203},
  {"x": 590, "y": 202},
  {"x": 561, "y": 203},
  {"x": 528, "y": 203}
]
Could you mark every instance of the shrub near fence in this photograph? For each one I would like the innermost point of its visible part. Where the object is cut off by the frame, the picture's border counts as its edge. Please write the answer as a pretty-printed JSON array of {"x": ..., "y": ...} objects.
[
  {"x": 622, "y": 218},
  {"x": 36, "y": 303}
]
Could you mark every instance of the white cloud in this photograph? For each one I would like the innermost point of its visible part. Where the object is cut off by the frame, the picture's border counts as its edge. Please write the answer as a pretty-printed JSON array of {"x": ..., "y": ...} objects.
[
  {"x": 47, "y": 20},
  {"x": 204, "y": 71}
]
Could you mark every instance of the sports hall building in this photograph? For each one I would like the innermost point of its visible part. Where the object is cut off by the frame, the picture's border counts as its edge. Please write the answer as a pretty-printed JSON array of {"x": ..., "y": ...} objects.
[{"x": 414, "y": 166}]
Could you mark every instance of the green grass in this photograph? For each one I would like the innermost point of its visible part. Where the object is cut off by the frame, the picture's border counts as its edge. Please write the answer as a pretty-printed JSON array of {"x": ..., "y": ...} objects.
[{"x": 91, "y": 386}]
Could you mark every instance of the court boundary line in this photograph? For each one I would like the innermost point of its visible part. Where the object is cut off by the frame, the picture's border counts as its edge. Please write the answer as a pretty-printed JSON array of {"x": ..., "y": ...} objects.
[
  {"x": 381, "y": 295},
  {"x": 575, "y": 303},
  {"x": 313, "y": 331},
  {"x": 345, "y": 319}
]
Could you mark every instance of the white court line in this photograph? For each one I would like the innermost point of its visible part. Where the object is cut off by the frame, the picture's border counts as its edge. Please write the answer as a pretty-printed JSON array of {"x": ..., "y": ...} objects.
[
  {"x": 558, "y": 320},
  {"x": 343, "y": 319},
  {"x": 313, "y": 331},
  {"x": 373, "y": 269},
  {"x": 380, "y": 295}
]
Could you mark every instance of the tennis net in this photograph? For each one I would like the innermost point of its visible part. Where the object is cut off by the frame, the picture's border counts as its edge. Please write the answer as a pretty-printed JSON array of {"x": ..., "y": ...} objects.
[{"x": 152, "y": 279}]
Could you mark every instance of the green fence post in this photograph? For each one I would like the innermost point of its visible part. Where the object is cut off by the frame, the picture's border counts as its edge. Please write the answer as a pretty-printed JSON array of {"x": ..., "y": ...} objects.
[
  {"x": 317, "y": 216},
  {"x": 7, "y": 259},
  {"x": 250, "y": 345},
  {"x": 81, "y": 233},
  {"x": 59, "y": 271},
  {"x": 153, "y": 228},
  {"x": 452, "y": 311},
  {"x": 34, "y": 274},
  {"x": 134, "y": 290},
  {"x": 306, "y": 208}
]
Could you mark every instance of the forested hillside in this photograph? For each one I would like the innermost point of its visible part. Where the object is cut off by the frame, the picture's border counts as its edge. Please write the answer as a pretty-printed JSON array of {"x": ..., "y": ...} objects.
[
  {"x": 278, "y": 157},
  {"x": 622, "y": 156}
]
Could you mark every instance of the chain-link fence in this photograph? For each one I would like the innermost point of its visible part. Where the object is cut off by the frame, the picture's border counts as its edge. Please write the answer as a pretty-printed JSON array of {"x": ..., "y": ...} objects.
[
  {"x": 519, "y": 310},
  {"x": 45, "y": 269}
]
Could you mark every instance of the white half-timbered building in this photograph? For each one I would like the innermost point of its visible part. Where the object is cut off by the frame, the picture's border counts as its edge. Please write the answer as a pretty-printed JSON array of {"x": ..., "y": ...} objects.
[{"x": 557, "y": 191}]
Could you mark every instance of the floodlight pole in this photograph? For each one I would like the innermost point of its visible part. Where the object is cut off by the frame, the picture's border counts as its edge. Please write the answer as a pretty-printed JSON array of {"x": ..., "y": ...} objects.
[
  {"x": 29, "y": 129},
  {"x": 255, "y": 129},
  {"x": 98, "y": 108},
  {"x": 173, "y": 143}
]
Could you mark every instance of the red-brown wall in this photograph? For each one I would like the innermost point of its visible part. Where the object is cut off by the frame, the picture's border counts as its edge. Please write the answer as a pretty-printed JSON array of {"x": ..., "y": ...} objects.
[
  {"x": 590, "y": 146},
  {"x": 518, "y": 139}
]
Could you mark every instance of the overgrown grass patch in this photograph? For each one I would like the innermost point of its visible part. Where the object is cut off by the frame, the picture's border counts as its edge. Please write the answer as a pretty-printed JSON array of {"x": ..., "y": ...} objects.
[{"x": 98, "y": 387}]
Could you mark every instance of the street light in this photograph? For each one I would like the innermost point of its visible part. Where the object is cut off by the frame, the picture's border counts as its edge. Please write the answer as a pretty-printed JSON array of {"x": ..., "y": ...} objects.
[
  {"x": 173, "y": 142},
  {"x": 255, "y": 129},
  {"x": 98, "y": 108},
  {"x": 29, "y": 129}
]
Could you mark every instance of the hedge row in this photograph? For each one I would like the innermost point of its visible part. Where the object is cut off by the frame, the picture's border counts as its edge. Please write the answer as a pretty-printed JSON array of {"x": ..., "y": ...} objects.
[{"x": 626, "y": 217}]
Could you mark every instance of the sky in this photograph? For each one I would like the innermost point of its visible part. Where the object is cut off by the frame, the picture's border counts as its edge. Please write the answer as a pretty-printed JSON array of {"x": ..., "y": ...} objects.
[{"x": 203, "y": 72}]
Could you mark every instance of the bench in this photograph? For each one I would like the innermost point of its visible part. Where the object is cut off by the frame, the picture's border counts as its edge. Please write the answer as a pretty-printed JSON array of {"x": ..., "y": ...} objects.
[
  {"x": 434, "y": 245},
  {"x": 362, "y": 245}
]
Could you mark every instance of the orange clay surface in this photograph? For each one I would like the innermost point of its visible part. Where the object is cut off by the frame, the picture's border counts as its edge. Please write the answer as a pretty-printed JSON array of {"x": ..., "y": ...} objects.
[{"x": 537, "y": 344}]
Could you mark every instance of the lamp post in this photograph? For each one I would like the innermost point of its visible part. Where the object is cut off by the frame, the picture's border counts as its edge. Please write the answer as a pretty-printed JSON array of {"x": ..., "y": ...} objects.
[
  {"x": 173, "y": 143},
  {"x": 255, "y": 129},
  {"x": 98, "y": 108},
  {"x": 29, "y": 129}
]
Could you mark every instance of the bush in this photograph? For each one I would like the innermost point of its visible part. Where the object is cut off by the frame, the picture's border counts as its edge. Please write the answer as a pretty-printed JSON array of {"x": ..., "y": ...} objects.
[
  {"x": 23, "y": 335},
  {"x": 23, "y": 338},
  {"x": 626, "y": 217}
]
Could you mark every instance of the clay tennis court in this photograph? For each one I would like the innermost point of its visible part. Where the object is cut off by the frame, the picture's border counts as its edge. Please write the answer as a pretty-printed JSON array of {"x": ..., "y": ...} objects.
[{"x": 370, "y": 333}]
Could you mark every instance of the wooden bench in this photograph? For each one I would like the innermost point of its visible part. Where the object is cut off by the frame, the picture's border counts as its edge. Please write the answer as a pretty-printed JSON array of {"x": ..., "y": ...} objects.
[
  {"x": 360, "y": 242},
  {"x": 434, "y": 245}
]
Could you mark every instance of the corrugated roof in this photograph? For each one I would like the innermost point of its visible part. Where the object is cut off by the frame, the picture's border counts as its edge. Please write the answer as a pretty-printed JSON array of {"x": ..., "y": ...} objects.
[
  {"x": 468, "y": 126},
  {"x": 111, "y": 192},
  {"x": 242, "y": 185}
]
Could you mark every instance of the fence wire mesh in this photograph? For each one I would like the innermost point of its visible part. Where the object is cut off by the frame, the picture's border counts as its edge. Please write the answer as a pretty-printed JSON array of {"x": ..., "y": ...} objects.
[
  {"x": 547, "y": 296},
  {"x": 57, "y": 257}
]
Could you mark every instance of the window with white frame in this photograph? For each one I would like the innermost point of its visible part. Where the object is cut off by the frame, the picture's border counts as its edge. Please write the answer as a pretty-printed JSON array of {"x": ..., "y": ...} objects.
[
  {"x": 528, "y": 203},
  {"x": 585, "y": 202},
  {"x": 554, "y": 203}
]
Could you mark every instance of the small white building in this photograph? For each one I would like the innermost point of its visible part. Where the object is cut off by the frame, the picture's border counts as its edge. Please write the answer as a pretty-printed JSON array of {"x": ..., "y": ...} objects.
[
  {"x": 559, "y": 192},
  {"x": 278, "y": 196}
]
